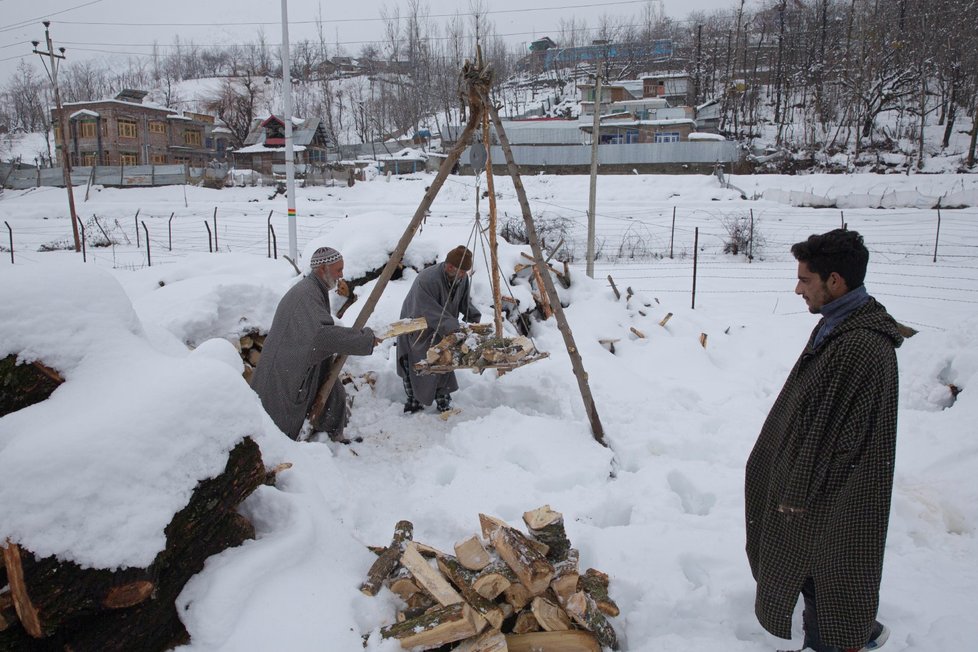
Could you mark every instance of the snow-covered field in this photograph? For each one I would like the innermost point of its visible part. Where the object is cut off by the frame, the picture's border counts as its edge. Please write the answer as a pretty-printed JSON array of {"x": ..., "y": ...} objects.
[{"x": 660, "y": 510}]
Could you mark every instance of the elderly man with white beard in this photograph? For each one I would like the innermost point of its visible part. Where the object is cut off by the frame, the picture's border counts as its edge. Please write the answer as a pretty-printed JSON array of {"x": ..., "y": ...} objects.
[{"x": 301, "y": 343}]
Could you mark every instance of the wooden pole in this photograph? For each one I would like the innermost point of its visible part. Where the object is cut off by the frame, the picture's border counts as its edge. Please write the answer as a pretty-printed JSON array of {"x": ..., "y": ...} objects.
[
  {"x": 575, "y": 356},
  {"x": 475, "y": 77},
  {"x": 497, "y": 298}
]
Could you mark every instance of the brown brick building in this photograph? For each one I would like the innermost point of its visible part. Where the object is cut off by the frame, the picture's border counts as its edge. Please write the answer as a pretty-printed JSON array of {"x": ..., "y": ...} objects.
[{"x": 125, "y": 131}]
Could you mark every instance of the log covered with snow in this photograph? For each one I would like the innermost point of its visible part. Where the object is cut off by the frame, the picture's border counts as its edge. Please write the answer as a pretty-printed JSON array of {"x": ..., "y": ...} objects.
[{"x": 61, "y": 605}]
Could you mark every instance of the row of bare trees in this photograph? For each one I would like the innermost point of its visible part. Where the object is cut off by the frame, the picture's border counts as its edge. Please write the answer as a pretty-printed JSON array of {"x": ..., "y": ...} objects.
[{"x": 828, "y": 75}]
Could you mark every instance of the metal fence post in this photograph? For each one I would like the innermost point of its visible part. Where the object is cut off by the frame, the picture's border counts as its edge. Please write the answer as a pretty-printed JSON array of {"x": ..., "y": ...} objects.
[
  {"x": 268, "y": 232},
  {"x": 937, "y": 238},
  {"x": 696, "y": 255},
  {"x": 135, "y": 220},
  {"x": 215, "y": 228},
  {"x": 274, "y": 242},
  {"x": 11, "y": 231},
  {"x": 672, "y": 235},
  {"x": 169, "y": 228},
  {"x": 81, "y": 225},
  {"x": 209, "y": 247},
  {"x": 149, "y": 260}
]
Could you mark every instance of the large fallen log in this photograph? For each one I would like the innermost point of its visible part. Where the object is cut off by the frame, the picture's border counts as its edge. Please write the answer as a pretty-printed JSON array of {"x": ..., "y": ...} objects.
[{"x": 61, "y": 604}]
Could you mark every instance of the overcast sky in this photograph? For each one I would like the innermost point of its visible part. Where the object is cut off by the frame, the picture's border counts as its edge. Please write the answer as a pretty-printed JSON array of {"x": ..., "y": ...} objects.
[{"x": 98, "y": 28}]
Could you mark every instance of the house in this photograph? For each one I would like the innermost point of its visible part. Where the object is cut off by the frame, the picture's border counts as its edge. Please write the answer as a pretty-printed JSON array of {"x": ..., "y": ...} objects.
[
  {"x": 406, "y": 161},
  {"x": 127, "y": 130},
  {"x": 264, "y": 147},
  {"x": 625, "y": 129},
  {"x": 673, "y": 87}
]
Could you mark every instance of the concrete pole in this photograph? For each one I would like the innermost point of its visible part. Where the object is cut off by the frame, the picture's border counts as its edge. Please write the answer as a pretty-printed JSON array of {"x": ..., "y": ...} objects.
[
  {"x": 592, "y": 197},
  {"x": 289, "y": 147}
]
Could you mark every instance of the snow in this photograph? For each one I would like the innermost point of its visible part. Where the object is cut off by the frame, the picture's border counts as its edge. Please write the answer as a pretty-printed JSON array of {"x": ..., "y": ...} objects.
[{"x": 154, "y": 399}]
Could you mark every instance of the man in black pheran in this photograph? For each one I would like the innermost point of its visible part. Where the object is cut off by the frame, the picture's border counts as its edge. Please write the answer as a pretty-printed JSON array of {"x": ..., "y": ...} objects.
[{"x": 819, "y": 479}]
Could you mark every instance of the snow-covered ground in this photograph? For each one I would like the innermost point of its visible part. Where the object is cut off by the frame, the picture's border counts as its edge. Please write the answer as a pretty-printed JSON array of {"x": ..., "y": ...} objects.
[{"x": 660, "y": 510}]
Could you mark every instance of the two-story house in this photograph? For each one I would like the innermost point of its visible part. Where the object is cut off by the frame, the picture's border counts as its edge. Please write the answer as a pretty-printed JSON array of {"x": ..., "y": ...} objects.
[
  {"x": 264, "y": 147},
  {"x": 128, "y": 131}
]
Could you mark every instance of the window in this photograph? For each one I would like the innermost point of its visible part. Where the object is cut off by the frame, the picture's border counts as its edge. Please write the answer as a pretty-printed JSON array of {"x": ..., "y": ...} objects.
[
  {"x": 667, "y": 137},
  {"x": 89, "y": 158},
  {"x": 631, "y": 136},
  {"x": 127, "y": 158},
  {"x": 157, "y": 159},
  {"x": 191, "y": 137},
  {"x": 87, "y": 129},
  {"x": 127, "y": 128},
  {"x": 157, "y": 127}
]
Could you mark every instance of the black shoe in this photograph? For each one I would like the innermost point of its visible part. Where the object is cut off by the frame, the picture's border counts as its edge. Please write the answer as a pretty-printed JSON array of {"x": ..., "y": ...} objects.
[{"x": 410, "y": 407}]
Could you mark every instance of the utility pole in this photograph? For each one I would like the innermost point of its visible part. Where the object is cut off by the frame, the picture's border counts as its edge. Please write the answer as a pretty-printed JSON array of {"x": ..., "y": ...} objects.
[
  {"x": 289, "y": 148},
  {"x": 595, "y": 138},
  {"x": 52, "y": 71}
]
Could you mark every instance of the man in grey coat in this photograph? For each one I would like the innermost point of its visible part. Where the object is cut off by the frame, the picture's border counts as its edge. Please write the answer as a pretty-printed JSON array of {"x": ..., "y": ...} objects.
[
  {"x": 440, "y": 294},
  {"x": 301, "y": 343},
  {"x": 820, "y": 477}
]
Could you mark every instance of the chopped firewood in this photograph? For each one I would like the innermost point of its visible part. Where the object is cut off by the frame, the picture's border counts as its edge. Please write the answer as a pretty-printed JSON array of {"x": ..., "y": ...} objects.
[
  {"x": 246, "y": 342},
  {"x": 573, "y": 640},
  {"x": 585, "y": 612},
  {"x": 401, "y": 327},
  {"x": 703, "y": 340},
  {"x": 531, "y": 567},
  {"x": 272, "y": 475},
  {"x": 428, "y": 552},
  {"x": 387, "y": 562},
  {"x": 493, "y": 581},
  {"x": 120, "y": 597},
  {"x": 643, "y": 313},
  {"x": 403, "y": 586},
  {"x": 525, "y": 623},
  {"x": 472, "y": 554},
  {"x": 490, "y": 524},
  {"x": 489, "y": 641},
  {"x": 547, "y": 526},
  {"x": 436, "y": 628},
  {"x": 637, "y": 333},
  {"x": 26, "y": 611},
  {"x": 614, "y": 288},
  {"x": 428, "y": 578},
  {"x": 517, "y": 595},
  {"x": 544, "y": 301},
  {"x": 254, "y": 357},
  {"x": 463, "y": 579},
  {"x": 470, "y": 349},
  {"x": 595, "y": 584},
  {"x": 566, "y": 575},
  {"x": 665, "y": 320},
  {"x": 550, "y": 616},
  {"x": 905, "y": 331}
]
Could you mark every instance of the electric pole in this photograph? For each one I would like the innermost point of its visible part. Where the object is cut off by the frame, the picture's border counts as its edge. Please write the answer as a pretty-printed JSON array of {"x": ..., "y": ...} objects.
[{"x": 52, "y": 71}]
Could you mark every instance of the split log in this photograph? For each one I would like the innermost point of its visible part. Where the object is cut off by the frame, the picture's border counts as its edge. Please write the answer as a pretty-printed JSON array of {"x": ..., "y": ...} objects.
[
  {"x": 428, "y": 578},
  {"x": 595, "y": 584},
  {"x": 547, "y": 526},
  {"x": 665, "y": 320},
  {"x": 525, "y": 623},
  {"x": 22, "y": 385},
  {"x": 703, "y": 340},
  {"x": 490, "y": 524},
  {"x": 573, "y": 640},
  {"x": 401, "y": 327},
  {"x": 463, "y": 580},
  {"x": 388, "y": 560},
  {"x": 530, "y": 566},
  {"x": 517, "y": 595},
  {"x": 566, "y": 575},
  {"x": 404, "y": 587},
  {"x": 614, "y": 288},
  {"x": 472, "y": 554},
  {"x": 271, "y": 476},
  {"x": 637, "y": 332},
  {"x": 436, "y": 628},
  {"x": 550, "y": 616},
  {"x": 489, "y": 641},
  {"x": 585, "y": 612},
  {"x": 493, "y": 580},
  {"x": 544, "y": 302}
]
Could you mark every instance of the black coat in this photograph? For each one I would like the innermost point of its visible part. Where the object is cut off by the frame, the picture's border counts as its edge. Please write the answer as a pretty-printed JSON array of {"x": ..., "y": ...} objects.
[{"x": 819, "y": 480}]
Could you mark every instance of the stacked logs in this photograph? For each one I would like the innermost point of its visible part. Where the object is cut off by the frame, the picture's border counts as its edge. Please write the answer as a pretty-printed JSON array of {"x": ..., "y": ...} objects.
[
  {"x": 506, "y": 591},
  {"x": 249, "y": 347},
  {"x": 48, "y": 603}
]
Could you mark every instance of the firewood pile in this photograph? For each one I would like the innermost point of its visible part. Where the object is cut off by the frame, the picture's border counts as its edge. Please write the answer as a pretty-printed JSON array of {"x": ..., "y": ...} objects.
[
  {"x": 249, "y": 347},
  {"x": 507, "y": 590},
  {"x": 475, "y": 347},
  {"x": 48, "y": 603}
]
